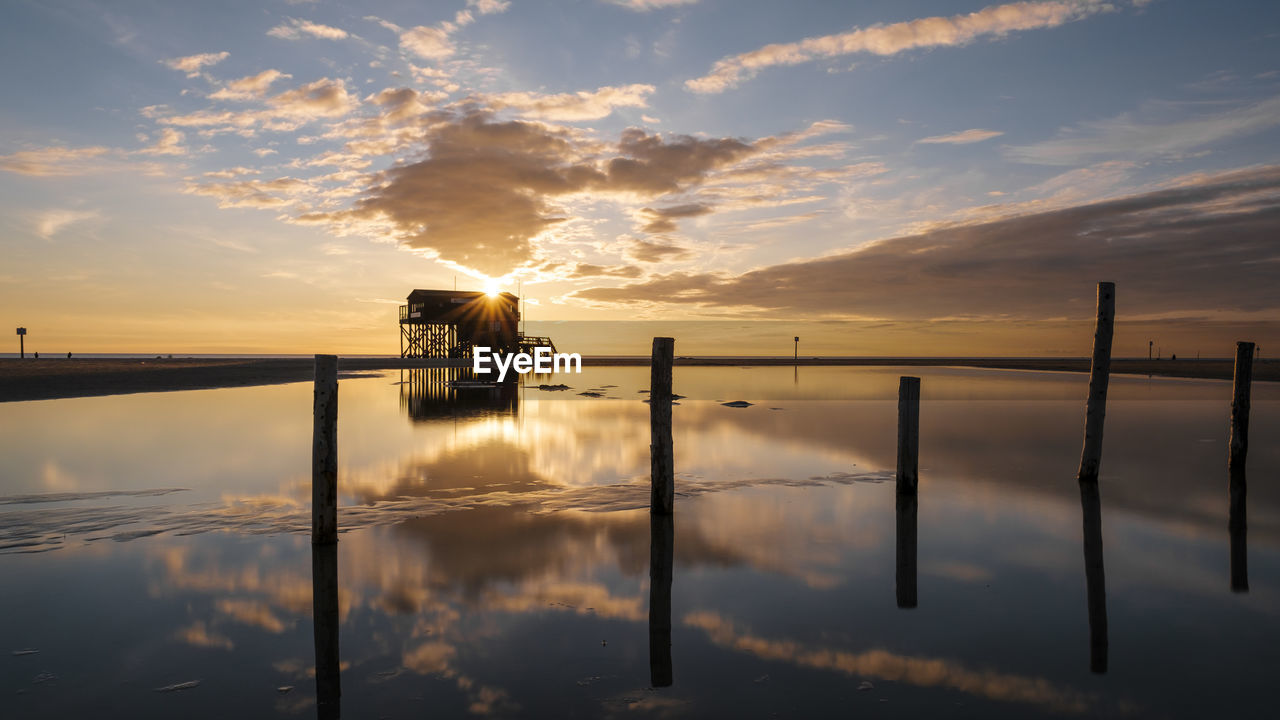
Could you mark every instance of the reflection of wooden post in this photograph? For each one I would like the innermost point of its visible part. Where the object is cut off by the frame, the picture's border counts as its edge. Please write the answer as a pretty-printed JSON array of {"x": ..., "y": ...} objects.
[
  {"x": 324, "y": 452},
  {"x": 906, "y": 573},
  {"x": 661, "y": 562},
  {"x": 908, "y": 433},
  {"x": 1099, "y": 374},
  {"x": 324, "y": 608},
  {"x": 1237, "y": 528},
  {"x": 661, "y": 459},
  {"x": 1094, "y": 575},
  {"x": 1240, "y": 387}
]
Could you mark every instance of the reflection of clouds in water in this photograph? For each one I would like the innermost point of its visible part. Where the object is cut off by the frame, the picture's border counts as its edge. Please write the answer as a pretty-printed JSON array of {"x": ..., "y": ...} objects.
[
  {"x": 198, "y": 635},
  {"x": 882, "y": 664}
]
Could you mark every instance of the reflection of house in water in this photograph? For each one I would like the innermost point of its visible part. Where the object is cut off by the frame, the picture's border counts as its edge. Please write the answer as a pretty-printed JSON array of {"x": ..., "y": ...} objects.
[
  {"x": 431, "y": 393},
  {"x": 449, "y": 323}
]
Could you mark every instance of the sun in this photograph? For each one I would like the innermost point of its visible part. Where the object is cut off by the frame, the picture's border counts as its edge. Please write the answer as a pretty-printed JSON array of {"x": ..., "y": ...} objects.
[{"x": 491, "y": 287}]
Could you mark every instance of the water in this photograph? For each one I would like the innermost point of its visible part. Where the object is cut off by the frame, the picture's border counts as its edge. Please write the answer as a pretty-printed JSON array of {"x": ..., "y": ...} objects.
[{"x": 496, "y": 551}]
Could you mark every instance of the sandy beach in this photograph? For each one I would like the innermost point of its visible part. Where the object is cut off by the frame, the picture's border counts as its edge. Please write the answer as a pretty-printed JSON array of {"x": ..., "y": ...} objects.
[{"x": 46, "y": 378}]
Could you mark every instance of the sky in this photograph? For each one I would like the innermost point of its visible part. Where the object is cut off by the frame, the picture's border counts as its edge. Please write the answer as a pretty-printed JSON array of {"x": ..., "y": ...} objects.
[{"x": 896, "y": 177}]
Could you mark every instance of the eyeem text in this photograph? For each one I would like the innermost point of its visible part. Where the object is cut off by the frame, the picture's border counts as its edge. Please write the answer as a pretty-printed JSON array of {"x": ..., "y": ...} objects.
[{"x": 543, "y": 360}]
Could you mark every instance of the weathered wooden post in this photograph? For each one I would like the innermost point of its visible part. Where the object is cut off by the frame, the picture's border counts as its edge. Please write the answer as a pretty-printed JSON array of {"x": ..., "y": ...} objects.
[
  {"x": 905, "y": 577},
  {"x": 661, "y": 458},
  {"x": 1240, "y": 388},
  {"x": 908, "y": 433},
  {"x": 1094, "y": 574},
  {"x": 661, "y": 566},
  {"x": 1099, "y": 375},
  {"x": 22, "y": 343},
  {"x": 324, "y": 613},
  {"x": 324, "y": 453}
]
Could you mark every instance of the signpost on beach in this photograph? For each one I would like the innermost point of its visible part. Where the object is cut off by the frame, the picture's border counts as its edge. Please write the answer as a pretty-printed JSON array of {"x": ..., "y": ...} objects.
[
  {"x": 22, "y": 344},
  {"x": 796, "y": 357}
]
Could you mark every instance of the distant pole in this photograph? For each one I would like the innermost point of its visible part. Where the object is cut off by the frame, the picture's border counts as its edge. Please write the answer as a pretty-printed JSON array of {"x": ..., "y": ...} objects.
[
  {"x": 22, "y": 344},
  {"x": 324, "y": 453},
  {"x": 1240, "y": 388},
  {"x": 661, "y": 459},
  {"x": 1099, "y": 375},
  {"x": 908, "y": 433},
  {"x": 1150, "y": 343},
  {"x": 796, "y": 358}
]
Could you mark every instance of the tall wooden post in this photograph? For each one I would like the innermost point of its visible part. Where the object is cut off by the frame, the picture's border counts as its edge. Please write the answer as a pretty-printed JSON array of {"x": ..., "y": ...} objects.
[
  {"x": 908, "y": 433},
  {"x": 661, "y": 566},
  {"x": 324, "y": 453},
  {"x": 1237, "y": 525},
  {"x": 324, "y": 614},
  {"x": 661, "y": 458},
  {"x": 1094, "y": 574},
  {"x": 22, "y": 343},
  {"x": 1240, "y": 388},
  {"x": 1099, "y": 375}
]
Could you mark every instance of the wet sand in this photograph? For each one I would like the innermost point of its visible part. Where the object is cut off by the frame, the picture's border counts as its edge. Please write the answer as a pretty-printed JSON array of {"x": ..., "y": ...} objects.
[{"x": 47, "y": 378}]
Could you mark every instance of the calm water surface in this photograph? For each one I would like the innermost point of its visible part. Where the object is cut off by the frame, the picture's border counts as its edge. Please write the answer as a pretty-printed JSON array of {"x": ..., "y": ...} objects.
[{"x": 496, "y": 552}]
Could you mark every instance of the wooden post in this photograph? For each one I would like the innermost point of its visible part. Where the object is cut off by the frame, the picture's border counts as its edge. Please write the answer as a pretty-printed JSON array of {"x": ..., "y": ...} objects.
[
  {"x": 905, "y": 578},
  {"x": 324, "y": 453},
  {"x": 908, "y": 433},
  {"x": 661, "y": 565},
  {"x": 661, "y": 459},
  {"x": 22, "y": 343},
  {"x": 1099, "y": 375},
  {"x": 1240, "y": 388},
  {"x": 324, "y": 614},
  {"x": 1094, "y": 574}
]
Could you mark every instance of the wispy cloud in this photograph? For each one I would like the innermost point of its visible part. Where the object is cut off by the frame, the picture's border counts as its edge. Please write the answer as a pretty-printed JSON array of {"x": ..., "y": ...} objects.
[
  {"x": 576, "y": 106},
  {"x": 51, "y": 222},
  {"x": 992, "y": 21},
  {"x": 192, "y": 64},
  {"x": 1126, "y": 136},
  {"x": 295, "y": 29},
  {"x": 647, "y": 5},
  {"x": 964, "y": 137}
]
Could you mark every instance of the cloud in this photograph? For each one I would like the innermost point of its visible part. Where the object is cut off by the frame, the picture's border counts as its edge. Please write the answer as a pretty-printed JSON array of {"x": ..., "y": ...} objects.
[
  {"x": 251, "y": 193},
  {"x": 964, "y": 137},
  {"x": 1126, "y": 137},
  {"x": 487, "y": 188},
  {"x": 295, "y": 29},
  {"x": 427, "y": 42},
  {"x": 51, "y": 222},
  {"x": 53, "y": 161},
  {"x": 252, "y": 86},
  {"x": 322, "y": 98},
  {"x": 992, "y": 21},
  {"x": 647, "y": 5},
  {"x": 662, "y": 220},
  {"x": 656, "y": 250},
  {"x": 575, "y": 106},
  {"x": 585, "y": 270},
  {"x": 488, "y": 7},
  {"x": 169, "y": 143},
  {"x": 192, "y": 64},
  {"x": 200, "y": 636},
  {"x": 1203, "y": 245}
]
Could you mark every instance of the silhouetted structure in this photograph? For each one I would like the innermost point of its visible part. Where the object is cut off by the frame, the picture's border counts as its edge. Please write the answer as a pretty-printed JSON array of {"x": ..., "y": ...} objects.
[
  {"x": 905, "y": 577},
  {"x": 449, "y": 323}
]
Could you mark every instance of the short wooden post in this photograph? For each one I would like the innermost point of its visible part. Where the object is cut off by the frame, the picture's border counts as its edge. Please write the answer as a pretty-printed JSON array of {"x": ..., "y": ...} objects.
[
  {"x": 1240, "y": 387},
  {"x": 1099, "y": 375},
  {"x": 905, "y": 577},
  {"x": 908, "y": 433},
  {"x": 661, "y": 458},
  {"x": 324, "y": 614},
  {"x": 661, "y": 566},
  {"x": 1094, "y": 574},
  {"x": 324, "y": 453}
]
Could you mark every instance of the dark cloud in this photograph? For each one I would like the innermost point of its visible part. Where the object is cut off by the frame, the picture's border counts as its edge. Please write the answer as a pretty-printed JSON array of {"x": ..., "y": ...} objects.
[
  {"x": 1203, "y": 246},
  {"x": 663, "y": 220},
  {"x": 488, "y": 188},
  {"x": 656, "y": 250}
]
